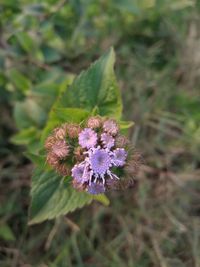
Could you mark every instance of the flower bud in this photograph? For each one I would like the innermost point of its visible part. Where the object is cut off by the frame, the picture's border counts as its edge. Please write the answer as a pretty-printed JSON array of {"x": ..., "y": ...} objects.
[
  {"x": 122, "y": 184},
  {"x": 94, "y": 122},
  {"x": 52, "y": 159},
  {"x": 133, "y": 164},
  {"x": 50, "y": 141},
  {"x": 60, "y": 133},
  {"x": 110, "y": 126},
  {"x": 60, "y": 149},
  {"x": 78, "y": 153},
  {"x": 78, "y": 186},
  {"x": 121, "y": 141},
  {"x": 63, "y": 169},
  {"x": 73, "y": 130}
]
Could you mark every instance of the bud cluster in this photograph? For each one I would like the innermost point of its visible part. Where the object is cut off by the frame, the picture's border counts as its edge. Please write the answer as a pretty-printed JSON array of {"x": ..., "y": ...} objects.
[{"x": 58, "y": 150}]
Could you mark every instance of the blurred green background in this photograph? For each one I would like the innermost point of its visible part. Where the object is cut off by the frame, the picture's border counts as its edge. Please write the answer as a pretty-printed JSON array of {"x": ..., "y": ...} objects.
[{"x": 157, "y": 44}]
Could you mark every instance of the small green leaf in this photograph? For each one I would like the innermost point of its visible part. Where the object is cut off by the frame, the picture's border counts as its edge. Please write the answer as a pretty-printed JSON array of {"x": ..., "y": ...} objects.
[
  {"x": 128, "y": 6},
  {"x": 126, "y": 124},
  {"x": 102, "y": 199},
  {"x": 33, "y": 111},
  {"x": 26, "y": 42},
  {"x": 144, "y": 4},
  {"x": 6, "y": 232},
  {"x": 29, "y": 113},
  {"x": 25, "y": 136},
  {"x": 51, "y": 197},
  {"x": 19, "y": 80},
  {"x": 51, "y": 54},
  {"x": 38, "y": 160}
]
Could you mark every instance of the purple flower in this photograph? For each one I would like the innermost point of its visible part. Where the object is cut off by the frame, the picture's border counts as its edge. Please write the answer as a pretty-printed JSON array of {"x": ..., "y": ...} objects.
[
  {"x": 80, "y": 173},
  {"x": 119, "y": 157},
  {"x": 107, "y": 140},
  {"x": 100, "y": 161},
  {"x": 96, "y": 188},
  {"x": 87, "y": 138}
]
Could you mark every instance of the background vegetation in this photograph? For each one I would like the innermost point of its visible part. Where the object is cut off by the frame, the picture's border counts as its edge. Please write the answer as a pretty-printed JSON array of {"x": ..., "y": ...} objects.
[{"x": 42, "y": 45}]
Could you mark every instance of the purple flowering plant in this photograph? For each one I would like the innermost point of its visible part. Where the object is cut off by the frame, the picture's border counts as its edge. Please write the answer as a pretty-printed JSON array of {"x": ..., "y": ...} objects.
[
  {"x": 96, "y": 156},
  {"x": 81, "y": 150}
]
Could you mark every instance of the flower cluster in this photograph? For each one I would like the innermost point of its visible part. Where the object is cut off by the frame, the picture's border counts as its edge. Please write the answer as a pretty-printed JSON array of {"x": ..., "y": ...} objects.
[{"x": 96, "y": 156}]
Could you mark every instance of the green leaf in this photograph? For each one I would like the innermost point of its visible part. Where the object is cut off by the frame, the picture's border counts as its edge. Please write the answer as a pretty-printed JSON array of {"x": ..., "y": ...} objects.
[
  {"x": 38, "y": 160},
  {"x": 25, "y": 136},
  {"x": 51, "y": 197},
  {"x": 128, "y": 6},
  {"x": 102, "y": 199},
  {"x": 50, "y": 54},
  {"x": 146, "y": 3},
  {"x": 70, "y": 114},
  {"x": 29, "y": 137},
  {"x": 134, "y": 6},
  {"x": 29, "y": 113},
  {"x": 26, "y": 42},
  {"x": 177, "y": 5},
  {"x": 33, "y": 111},
  {"x": 6, "y": 232},
  {"x": 126, "y": 124},
  {"x": 96, "y": 88},
  {"x": 19, "y": 80}
]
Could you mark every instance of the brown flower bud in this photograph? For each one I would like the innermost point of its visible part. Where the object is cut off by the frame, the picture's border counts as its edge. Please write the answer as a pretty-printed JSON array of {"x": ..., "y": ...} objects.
[
  {"x": 122, "y": 184},
  {"x": 78, "y": 186},
  {"x": 112, "y": 184},
  {"x": 133, "y": 164},
  {"x": 52, "y": 159},
  {"x": 94, "y": 122},
  {"x": 78, "y": 153},
  {"x": 121, "y": 141},
  {"x": 110, "y": 126},
  {"x": 63, "y": 169},
  {"x": 60, "y": 149},
  {"x": 73, "y": 130},
  {"x": 60, "y": 133},
  {"x": 50, "y": 141}
]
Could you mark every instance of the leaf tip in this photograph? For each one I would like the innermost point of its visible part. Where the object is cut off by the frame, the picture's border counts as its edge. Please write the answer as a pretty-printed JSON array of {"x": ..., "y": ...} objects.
[{"x": 102, "y": 198}]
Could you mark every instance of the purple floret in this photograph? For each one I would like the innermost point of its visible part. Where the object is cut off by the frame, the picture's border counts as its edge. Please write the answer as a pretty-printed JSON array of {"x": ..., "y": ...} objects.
[
  {"x": 107, "y": 140},
  {"x": 80, "y": 174},
  {"x": 100, "y": 161},
  {"x": 96, "y": 188},
  {"x": 119, "y": 157},
  {"x": 87, "y": 138}
]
